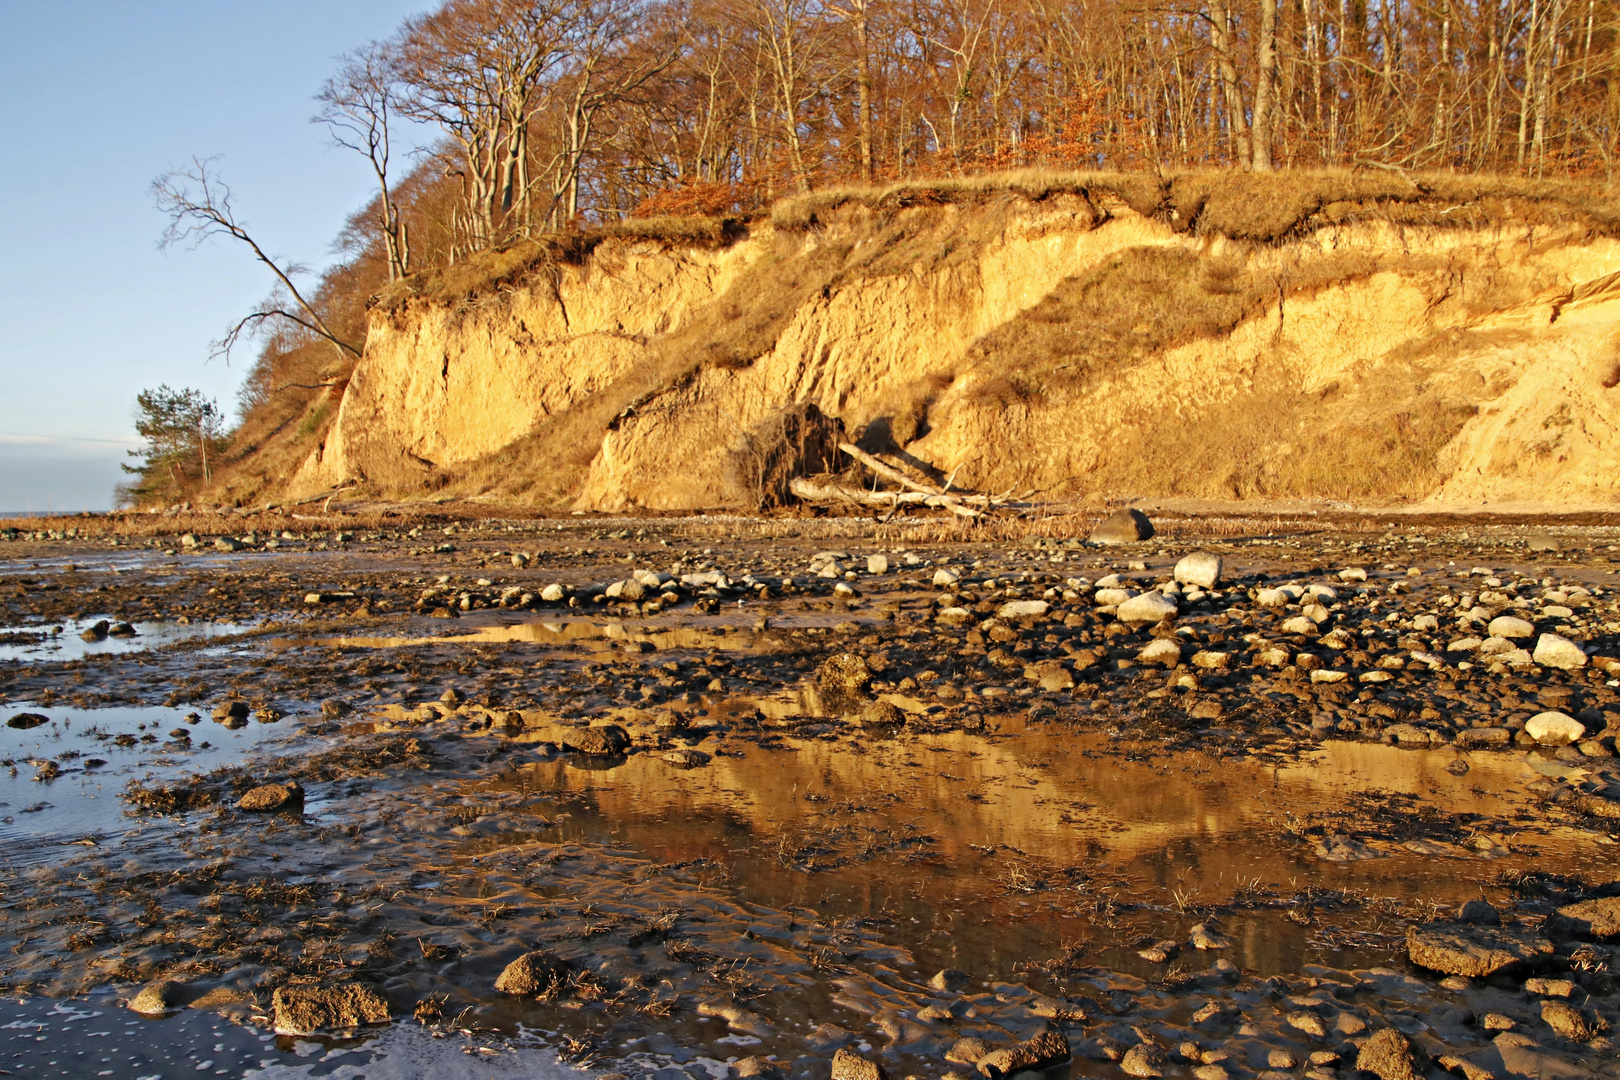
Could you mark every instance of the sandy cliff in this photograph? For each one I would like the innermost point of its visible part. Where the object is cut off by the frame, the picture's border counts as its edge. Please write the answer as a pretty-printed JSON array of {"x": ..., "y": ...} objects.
[{"x": 1064, "y": 342}]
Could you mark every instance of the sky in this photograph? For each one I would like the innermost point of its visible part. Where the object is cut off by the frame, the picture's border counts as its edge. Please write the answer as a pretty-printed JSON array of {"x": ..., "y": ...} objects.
[{"x": 97, "y": 99}]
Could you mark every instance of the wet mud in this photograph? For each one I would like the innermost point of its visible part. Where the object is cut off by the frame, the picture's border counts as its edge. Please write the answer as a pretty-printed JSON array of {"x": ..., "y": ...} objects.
[{"x": 737, "y": 807}]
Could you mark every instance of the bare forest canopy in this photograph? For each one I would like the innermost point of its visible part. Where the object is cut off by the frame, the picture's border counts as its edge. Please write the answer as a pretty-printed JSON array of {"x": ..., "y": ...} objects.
[{"x": 546, "y": 117}]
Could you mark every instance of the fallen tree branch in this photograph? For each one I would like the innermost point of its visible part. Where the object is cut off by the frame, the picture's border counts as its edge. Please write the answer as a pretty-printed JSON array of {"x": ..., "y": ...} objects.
[
  {"x": 885, "y": 470},
  {"x": 962, "y": 505}
]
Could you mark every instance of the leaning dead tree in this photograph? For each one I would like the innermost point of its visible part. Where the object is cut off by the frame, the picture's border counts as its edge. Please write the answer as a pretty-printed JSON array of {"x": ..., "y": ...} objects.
[
  {"x": 825, "y": 490},
  {"x": 198, "y": 204}
]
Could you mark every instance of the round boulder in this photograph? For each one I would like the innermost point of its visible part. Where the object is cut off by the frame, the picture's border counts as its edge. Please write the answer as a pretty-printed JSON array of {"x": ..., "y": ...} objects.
[
  {"x": 1554, "y": 650},
  {"x": 1201, "y": 568},
  {"x": 1554, "y": 729},
  {"x": 1507, "y": 626},
  {"x": 843, "y": 675},
  {"x": 1150, "y": 607},
  {"x": 1123, "y": 527},
  {"x": 607, "y": 740}
]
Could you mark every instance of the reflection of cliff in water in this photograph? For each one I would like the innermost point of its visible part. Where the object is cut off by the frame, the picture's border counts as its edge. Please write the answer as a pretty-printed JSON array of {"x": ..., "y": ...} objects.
[{"x": 998, "y": 848}]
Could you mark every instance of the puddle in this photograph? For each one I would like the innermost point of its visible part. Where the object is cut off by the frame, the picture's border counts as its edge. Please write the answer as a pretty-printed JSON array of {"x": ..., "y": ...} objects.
[
  {"x": 58, "y": 642},
  {"x": 37, "y": 818},
  {"x": 994, "y": 848},
  {"x": 572, "y": 632}
]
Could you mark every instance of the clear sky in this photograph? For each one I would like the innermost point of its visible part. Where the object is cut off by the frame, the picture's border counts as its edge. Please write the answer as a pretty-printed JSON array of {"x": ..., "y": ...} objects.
[{"x": 97, "y": 98}]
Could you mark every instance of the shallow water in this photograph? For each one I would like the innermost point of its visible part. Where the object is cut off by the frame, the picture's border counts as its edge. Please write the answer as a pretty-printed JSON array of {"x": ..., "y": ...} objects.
[
  {"x": 61, "y": 642},
  {"x": 82, "y": 804}
]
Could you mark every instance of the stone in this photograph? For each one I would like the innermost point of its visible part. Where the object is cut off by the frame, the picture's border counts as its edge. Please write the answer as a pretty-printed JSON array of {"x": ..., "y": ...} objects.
[
  {"x": 97, "y": 631},
  {"x": 1554, "y": 728},
  {"x": 1142, "y": 1060},
  {"x": 843, "y": 675},
  {"x": 1388, "y": 1055},
  {"x": 1150, "y": 607},
  {"x": 531, "y": 974},
  {"x": 877, "y": 564},
  {"x": 1161, "y": 651},
  {"x": 686, "y": 758},
  {"x": 25, "y": 721},
  {"x": 553, "y": 593},
  {"x": 848, "y": 1065},
  {"x": 607, "y": 740},
  {"x": 1022, "y": 609},
  {"x": 157, "y": 998},
  {"x": 228, "y": 543},
  {"x": 1474, "y": 951},
  {"x": 1309, "y": 1023},
  {"x": 1124, "y": 527},
  {"x": 950, "y": 980},
  {"x": 1479, "y": 913},
  {"x": 1553, "y": 650},
  {"x": 229, "y": 709},
  {"x": 968, "y": 1051},
  {"x": 1211, "y": 660},
  {"x": 1544, "y": 542},
  {"x": 306, "y": 1008},
  {"x": 189, "y": 540},
  {"x": 1484, "y": 738},
  {"x": 954, "y": 616},
  {"x": 1204, "y": 937},
  {"x": 1353, "y": 573},
  {"x": 1111, "y": 596},
  {"x": 1589, "y": 918},
  {"x": 268, "y": 797},
  {"x": 944, "y": 579},
  {"x": 1201, "y": 568},
  {"x": 1038, "y": 1054},
  {"x": 1507, "y": 626},
  {"x": 1572, "y": 1023},
  {"x": 1563, "y": 988},
  {"x": 1273, "y": 598},
  {"x": 1299, "y": 624},
  {"x": 882, "y": 714}
]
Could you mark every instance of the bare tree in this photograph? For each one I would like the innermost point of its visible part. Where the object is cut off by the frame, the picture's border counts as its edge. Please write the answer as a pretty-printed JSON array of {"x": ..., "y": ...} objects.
[
  {"x": 357, "y": 104},
  {"x": 198, "y": 204}
]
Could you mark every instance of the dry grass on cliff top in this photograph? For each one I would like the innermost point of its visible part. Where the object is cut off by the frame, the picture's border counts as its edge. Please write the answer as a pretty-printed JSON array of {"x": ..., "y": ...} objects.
[
  {"x": 490, "y": 271},
  {"x": 1249, "y": 206}
]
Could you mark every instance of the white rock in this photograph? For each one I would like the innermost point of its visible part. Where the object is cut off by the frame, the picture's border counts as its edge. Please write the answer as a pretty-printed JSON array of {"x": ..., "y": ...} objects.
[
  {"x": 1299, "y": 624},
  {"x": 1323, "y": 592},
  {"x": 1111, "y": 581},
  {"x": 1554, "y": 729},
  {"x": 709, "y": 578},
  {"x": 1316, "y": 613},
  {"x": 1273, "y": 656},
  {"x": 944, "y": 578},
  {"x": 954, "y": 616},
  {"x": 1552, "y": 650},
  {"x": 1110, "y": 597},
  {"x": 1506, "y": 626},
  {"x": 1150, "y": 607},
  {"x": 1273, "y": 598},
  {"x": 1201, "y": 568},
  {"x": 877, "y": 564},
  {"x": 1353, "y": 573},
  {"x": 1375, "y": 676},
  {"x": 553, "y": 593},
  {"x": 1327, "y": 675},
  {"x": 1464, "y": 644},
  {"x": 1022, "y": 609},
  {"x": 1425, "y": 622},
  {"x": 1160, "y": 651}
]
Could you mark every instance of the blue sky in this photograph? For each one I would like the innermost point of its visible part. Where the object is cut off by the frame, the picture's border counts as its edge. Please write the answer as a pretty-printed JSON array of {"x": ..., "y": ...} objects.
[{"x": 97, "y": 99}]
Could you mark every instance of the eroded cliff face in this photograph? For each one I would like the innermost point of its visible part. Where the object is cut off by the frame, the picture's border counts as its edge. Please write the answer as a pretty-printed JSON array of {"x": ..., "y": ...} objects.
[{"x": 1056, "y": 345}]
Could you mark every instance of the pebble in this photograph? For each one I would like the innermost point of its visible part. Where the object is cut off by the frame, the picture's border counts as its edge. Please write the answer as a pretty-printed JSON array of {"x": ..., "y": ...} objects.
[
  {"x": 268, "y": 797},
  {"x": 1150, "y": 607}
]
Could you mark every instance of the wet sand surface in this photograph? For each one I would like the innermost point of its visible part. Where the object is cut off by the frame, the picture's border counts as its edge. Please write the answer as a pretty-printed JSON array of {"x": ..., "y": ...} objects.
[{"x": 745, "y": 804}]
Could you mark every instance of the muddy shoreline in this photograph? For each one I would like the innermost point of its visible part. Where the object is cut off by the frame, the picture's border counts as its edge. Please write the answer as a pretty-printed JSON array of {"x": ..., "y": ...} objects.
[{"x": 752, "y": 794}]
